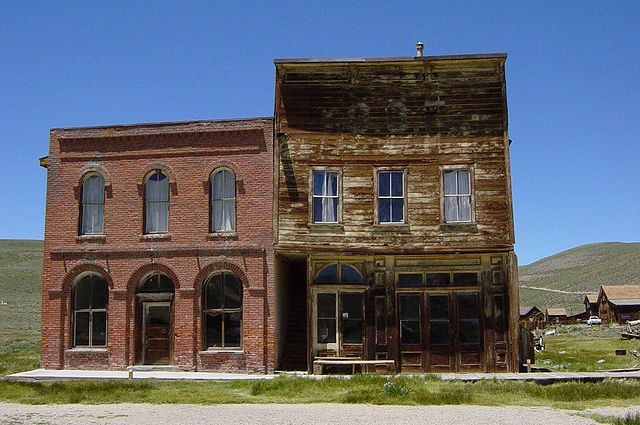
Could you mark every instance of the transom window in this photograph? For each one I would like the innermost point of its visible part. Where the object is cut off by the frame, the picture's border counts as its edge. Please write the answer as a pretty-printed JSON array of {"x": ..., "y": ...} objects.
[
  {"x": 223, "y": 201},
  {"x": 92, "y": 205},
  {"x": 156, "y": 201},
  {"x": 424, "y": 279},
  {"x": 222, "y": 311},
  {"x": 391, "y": 197},
  {"x": 339, "y": 273},
  {"x": 457, "y": 195},
  {"x": 325, "y": 196},
  {"x": 90, "y": 299},
  {"x": 157, "y": 282}
]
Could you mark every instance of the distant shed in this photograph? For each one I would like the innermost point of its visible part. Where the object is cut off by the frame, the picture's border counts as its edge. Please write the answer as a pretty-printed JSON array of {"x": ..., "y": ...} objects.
[
  {"x": 591, "y": 304},
  {"x": 619, "y": 303},
  {"x": 556, "y": 315}
]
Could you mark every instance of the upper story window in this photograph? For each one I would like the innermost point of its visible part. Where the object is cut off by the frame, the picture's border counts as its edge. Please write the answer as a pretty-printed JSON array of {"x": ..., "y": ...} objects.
[
  {"x": 90, "y": 299},
  {"x": 223, "y": 201},
  {"x": 92, "y": 205},
  {"x": 391, "y": 194},
  {"x": 325, "y": 196},
  {"x": 457, "y": 195},
  {"x": 156, "y": 199}
]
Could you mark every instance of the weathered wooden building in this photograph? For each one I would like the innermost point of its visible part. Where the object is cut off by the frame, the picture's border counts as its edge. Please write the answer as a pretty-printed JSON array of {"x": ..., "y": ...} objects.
[
  {"x": 556, "y": 315},
  {"x": 619, "y": 303},
  {"x": 394, "y": 226},
  {"x": 532, "y": 318},
  {"x": 591, "y": 305}
]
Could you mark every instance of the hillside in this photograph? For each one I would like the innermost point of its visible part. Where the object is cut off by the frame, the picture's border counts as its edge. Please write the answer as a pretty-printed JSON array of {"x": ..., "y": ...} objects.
[
  {"x": 21, "y": 267},
  {"x": 579, "y": 270}
]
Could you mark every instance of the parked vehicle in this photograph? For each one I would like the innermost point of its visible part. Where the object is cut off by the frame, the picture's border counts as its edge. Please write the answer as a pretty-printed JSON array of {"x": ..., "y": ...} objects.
[{"x": 594, "y": 320}]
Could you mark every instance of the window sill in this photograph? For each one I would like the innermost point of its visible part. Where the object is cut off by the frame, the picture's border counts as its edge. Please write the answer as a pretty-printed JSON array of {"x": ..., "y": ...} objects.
[
  {"x": 326, "y": 228},
  {"x": 392, "y": 227},
  {"x": 459, "y": 227},
  {"x": 220, "y": 351},
  {"x": 91, "y": 239},
  {"x": 155, "y": 237},
  {"x": 222, "y": 235},
  {"x": 87, "y": 350}
]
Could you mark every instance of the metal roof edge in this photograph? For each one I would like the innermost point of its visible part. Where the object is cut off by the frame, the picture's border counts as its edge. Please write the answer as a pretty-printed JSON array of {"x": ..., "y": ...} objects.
[{"x": 499, "y": 55}]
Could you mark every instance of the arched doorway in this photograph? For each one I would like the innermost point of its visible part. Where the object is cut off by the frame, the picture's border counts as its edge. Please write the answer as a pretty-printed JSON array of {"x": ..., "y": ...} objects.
[{"x": 155, "y": 306}]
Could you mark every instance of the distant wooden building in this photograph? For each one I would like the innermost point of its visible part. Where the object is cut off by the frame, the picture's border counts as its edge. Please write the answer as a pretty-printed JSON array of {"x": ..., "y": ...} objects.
[
  {"x": 531, "y": 318},
  {"x": 591, "y": 305},
  {"x": 556, "y": 315},
  {"x": 619, "y": 303}
]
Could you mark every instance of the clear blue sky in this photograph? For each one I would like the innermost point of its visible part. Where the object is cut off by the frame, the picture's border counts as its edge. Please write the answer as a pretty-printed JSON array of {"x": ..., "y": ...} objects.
[{"x": 573, "y": 77}]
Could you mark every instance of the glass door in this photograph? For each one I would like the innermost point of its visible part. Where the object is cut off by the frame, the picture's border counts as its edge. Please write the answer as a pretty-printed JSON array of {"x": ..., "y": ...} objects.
[{"x": 339, "y": 323}]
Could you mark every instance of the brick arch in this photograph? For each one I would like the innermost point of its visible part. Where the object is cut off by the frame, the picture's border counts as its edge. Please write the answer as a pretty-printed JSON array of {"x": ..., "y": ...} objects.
[
  {"x": 96, "y": 168},
  {"x": 220, "y": 265},
  {"x": 142, "y": 271},
  {"x": 225, "y": 163},
  {"x": 162, "y": 166},
  {"x": 76, "y": 271}
]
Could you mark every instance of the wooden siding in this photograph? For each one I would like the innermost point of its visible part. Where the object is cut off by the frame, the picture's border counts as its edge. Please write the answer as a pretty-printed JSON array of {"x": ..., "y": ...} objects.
[{"x": 417, "y": 116}]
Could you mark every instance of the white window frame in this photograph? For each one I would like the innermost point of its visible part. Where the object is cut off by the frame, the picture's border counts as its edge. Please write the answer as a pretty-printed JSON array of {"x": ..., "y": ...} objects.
[
  {"x": 391, "y": 197},
  {"x": 337, "y": 196},
  {"x": 458, "y": 168}
]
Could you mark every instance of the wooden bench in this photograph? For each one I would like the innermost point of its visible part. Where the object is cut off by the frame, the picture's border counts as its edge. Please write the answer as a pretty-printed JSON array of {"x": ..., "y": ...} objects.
[{"x": 319, "y": 362}]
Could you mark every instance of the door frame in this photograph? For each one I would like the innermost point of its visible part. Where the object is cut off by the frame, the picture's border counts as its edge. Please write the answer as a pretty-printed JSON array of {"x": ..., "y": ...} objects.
[{"x": 145, "y": 308}]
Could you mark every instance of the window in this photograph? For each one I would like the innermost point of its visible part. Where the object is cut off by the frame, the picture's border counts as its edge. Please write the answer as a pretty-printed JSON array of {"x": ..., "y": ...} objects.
[
  {"x": 409, "y": 318},
  {"x": 90, "y": 298},
  {"x": 416, "y": 280},
  {"x": 223, "y": 201},
  {"x": 156, "y": 198},
  {"x": 157, "y": 282},
  {"x": 468, "y": 319},
  {"x": 457, "y": 196},
  {"x": 390, "y": 197},
  {"x": 339, "y": 273},
  {"x": 92, "y": 205},
  {"x": 222, "y": 311},
  {"x": 325, "y": 196}
]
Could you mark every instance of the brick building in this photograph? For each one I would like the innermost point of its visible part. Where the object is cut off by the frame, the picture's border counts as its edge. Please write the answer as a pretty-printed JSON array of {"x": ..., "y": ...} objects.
[{"x": 158, "y": 247}]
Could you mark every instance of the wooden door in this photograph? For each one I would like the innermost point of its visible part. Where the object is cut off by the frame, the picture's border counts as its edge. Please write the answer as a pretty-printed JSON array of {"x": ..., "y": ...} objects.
[{"x": 157, "y": 333}]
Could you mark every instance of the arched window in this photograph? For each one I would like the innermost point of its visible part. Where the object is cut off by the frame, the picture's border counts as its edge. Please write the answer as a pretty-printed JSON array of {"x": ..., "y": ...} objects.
[
  {"x": 223, "y": 201},
  {"x": 90, "y": 299},
  {"x": 157, "y": 282},
  {"x": 222, "y": 311},
  {"x": 156, "y": 199},
  {"x": 339, "y": 273},
  {"x": 92, "y": 205}
]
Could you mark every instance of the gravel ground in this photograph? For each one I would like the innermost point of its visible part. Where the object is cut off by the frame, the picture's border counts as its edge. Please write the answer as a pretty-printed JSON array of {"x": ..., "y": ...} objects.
[{"x": 293, "y": 414}]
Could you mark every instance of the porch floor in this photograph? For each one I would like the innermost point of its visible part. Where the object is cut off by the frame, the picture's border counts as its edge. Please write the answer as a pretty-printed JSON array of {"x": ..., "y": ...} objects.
[{"x": 69, "y": 374}]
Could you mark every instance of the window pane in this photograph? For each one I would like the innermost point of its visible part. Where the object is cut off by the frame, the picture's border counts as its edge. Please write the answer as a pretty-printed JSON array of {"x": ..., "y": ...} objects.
[
  {"x": 332, "y": 184},
  {"x": 100, "y": 296},
  {"x": 157, "y": 187},
  {"x": 410, "y": 331},
  {"x": 218, "y": 215},
  {"x": 229, "y": 214},
  {"x": 317, "y": 210},
  {"x": 213, "y": 292},
  {"x": 465, "y": 279},
  {"x": 81, "y": 325},
  {"x": 384, "y": 210},
  {"x": 352, "y": 306},
  {"x": 165, "y": 284},
  {"x": 450, "y": 186},
  {"x": 326, "y": 331},
  {"x": 463, "y": 182},
  {"x": 92, "y": 218},
  {"x": 439, "y": 332},
  {"x": 468, "y": 306},
  {"x": 437, "y": 279},
  {"x": 93, "y": 190},
  {"x": 439, "y": 307},
  {"x": 99, "y": 331},
  {"x": 328, "y": 274},
  {"x": 318, "y": 183},
  {"x": 352, "y": 331},
  {"x": 157, "y": 215},
  {"x": 329, "y": 210},
  {"x": 213, "y": 329},
  {"x": 409, "y": 280},
  {"x": 327, "y": 305},
  {"x": 232, "y": 292},
  {"x": 464, "y": 208},
  {"x": 397, "y": 188},
  {"x": 229, "y": 191},
  {"x": 451, "y": 208},
  {"x": 217, "y": 186},
  {"x": 384, "y": 184},
  {"x": 83, "y": 293},
  {"x": 349, "y": 274},
  {"x": 469, "y": 331},
  {"x": 397, "y": 210},
  {"x": 232, "y": 329},
  {"x": 410, "y": 307}
]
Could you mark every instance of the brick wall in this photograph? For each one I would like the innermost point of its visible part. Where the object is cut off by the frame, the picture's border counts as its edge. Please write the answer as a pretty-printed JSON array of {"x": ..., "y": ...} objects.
[{"x": 188, "y": 153}]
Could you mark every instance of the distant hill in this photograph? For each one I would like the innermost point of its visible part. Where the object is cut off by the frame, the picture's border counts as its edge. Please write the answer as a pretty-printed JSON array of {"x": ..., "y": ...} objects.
[
  {"x": 576, "y": 271},
  {"x": 20, "y": 283}
]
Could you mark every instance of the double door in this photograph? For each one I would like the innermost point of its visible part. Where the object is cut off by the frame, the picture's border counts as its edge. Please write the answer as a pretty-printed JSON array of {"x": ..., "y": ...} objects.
[
  {"x": 439, "y": 331},
  {"x": 338, "y": 323}
]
